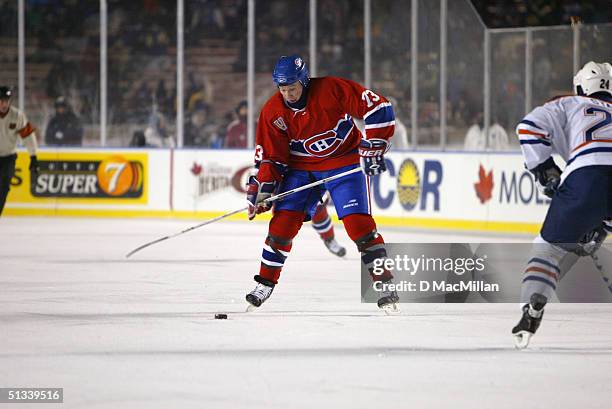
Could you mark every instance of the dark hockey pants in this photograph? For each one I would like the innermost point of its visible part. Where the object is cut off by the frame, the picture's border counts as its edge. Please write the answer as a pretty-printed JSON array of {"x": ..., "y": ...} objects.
[
  {"x": 581, "y": 203},
  {"x": 7, "y": 170}
]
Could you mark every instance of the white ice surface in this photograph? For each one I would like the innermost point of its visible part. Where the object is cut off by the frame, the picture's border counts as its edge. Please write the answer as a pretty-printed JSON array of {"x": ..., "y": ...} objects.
[{"x": 140, "y": 333}]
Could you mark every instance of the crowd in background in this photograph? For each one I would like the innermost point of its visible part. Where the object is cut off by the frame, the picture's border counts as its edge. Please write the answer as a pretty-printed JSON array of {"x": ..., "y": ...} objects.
[
  {"x": 63, "y": 60},
  {"x": 522, "y": 13}
]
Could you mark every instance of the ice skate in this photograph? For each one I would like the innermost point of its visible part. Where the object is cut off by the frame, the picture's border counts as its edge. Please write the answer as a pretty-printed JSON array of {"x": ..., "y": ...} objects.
[
  {"x": 389, "y": 300},
  {"x": 261, "y": 292},
  {"x": 530, "y": 321},
  {"x": 334, "y": 247}
]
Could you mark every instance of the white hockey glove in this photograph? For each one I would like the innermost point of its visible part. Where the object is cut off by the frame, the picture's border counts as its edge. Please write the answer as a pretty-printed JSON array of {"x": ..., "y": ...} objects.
[
  {"x": 257, "y": 192},
  {"x": 371, "y": 152},
  {"x": 547, "y": 177}
]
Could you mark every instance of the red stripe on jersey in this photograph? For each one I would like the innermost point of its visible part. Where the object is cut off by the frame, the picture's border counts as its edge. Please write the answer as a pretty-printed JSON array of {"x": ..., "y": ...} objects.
[
  {"x": 528, "y": 132},
  {"x": 381, "y": 133},
  {"x": 590, "y": 142}
]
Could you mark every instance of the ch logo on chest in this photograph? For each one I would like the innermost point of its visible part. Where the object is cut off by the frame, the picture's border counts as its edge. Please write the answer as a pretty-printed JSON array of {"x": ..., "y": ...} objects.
[
  {"x": 323, "y": 144},
  {"x": 326, "y": 143}
]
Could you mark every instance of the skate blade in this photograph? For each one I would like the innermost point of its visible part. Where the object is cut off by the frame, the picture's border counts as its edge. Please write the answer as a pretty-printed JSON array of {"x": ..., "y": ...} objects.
[
  {"x": 391, "y": 309},
  {"x": 521, "y": 339},
  {"x": 251, "y": 308},
  {"x": 341, "y": 253}
]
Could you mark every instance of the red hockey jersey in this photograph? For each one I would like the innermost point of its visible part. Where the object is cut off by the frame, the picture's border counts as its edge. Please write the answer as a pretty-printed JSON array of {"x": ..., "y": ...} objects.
[{"x": 321, "y": 136}]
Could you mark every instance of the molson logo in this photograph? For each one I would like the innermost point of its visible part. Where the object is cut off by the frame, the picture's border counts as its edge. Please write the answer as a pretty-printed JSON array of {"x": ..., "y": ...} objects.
[
  {"x": 111, "y": 177},
  {"x": 408, "y": 184}
]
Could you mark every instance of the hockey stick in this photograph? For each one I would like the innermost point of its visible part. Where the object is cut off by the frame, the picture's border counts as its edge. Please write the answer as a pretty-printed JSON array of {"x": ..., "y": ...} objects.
[
  {"x": 268, "y": 200},
  {"x": 604, "y": 274}
]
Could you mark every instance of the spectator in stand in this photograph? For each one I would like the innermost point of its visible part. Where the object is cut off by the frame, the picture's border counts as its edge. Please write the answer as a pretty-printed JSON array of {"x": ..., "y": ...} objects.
[
  {"x": 199, "y": 131},
  {"x": 200, "y": 91},
  {"x": 139, "y": 140},
  {"x": 65, "y": 127},
  {"x": 236, "y": 136},
  {"x": 141, "y": 101},
  {"x": 63, "y": 77},
  {"x": 165, "y": 98},
  {"x": 157, "y": 134}
]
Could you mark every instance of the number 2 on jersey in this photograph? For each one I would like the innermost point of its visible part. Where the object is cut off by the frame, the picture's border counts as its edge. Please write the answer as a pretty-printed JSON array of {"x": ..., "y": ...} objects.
[{"x": 603, "y": 122}]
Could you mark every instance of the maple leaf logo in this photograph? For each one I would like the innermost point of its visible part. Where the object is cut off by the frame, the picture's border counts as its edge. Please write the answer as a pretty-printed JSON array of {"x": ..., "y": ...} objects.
[
  {"x": 484, "y": 187},
  {"x": 196, "y": 169}
]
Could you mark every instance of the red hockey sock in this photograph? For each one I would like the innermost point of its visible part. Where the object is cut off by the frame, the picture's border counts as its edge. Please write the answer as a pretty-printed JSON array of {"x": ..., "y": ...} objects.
[
  {"x": 283, "y": 227},
  {"x": 322, "y": 223},
  {"x": 361, "y": 228}
]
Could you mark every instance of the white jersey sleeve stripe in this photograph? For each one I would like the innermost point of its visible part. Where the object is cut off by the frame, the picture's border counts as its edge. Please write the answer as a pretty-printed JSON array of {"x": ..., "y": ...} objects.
[
  {"x": 376, "y": 108},
  {"x": 383, "y": 125}
]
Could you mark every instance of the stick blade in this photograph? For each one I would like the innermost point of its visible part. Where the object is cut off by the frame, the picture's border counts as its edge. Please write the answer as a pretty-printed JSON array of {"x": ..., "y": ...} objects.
[{"x": 144, "y": 246}]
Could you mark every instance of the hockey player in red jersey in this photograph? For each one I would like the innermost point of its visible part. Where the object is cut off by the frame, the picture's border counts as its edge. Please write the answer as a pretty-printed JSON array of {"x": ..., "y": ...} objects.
[
  {"x": 306, "y": 133},
  {"x": 321, "y": 222}
]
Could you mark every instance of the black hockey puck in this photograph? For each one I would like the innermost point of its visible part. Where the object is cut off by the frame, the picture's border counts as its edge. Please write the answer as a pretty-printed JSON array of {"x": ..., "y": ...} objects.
[{"x": 220, "y": 316}]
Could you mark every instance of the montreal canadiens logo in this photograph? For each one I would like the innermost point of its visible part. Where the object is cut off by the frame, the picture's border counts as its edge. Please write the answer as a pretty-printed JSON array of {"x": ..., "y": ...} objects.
[{"x": 323, "y": 144}]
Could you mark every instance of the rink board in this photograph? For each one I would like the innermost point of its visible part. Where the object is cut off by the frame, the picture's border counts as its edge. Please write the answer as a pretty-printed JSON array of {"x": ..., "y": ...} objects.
[{"x": 430, "y": 190}]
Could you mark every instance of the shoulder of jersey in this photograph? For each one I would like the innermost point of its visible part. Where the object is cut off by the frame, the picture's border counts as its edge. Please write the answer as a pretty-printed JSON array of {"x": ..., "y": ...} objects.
[
  {"x": 13, "y": 113},
  {"x": 558, "y": 97},
  {"x": 274, "y": 104},
  {"x": 325, "y": 85},
  {"x": 327, "y": 80}
]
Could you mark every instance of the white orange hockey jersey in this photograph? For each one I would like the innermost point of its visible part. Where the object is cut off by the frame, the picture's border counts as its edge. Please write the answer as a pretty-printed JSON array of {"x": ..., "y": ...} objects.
[
  {"x": 578, "y": 128},
  {"x": 15, "y": 125}
]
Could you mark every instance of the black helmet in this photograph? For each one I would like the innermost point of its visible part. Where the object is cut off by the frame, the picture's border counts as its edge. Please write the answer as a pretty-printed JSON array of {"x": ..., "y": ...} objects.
[
  {"x": 5, "y": 92},
  {"x": 61, "y": 102},
  {"x": 241, "y": 104}
]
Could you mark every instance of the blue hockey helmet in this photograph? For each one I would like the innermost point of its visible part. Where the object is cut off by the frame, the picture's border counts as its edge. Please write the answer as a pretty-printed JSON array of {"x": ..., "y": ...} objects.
[{"x": 290, "y": 69}]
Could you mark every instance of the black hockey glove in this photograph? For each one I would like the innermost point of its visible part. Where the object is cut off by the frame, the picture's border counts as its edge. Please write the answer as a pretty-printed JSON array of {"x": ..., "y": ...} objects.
[
  {"x": 371, "y": 152},
  {"x": 592, "y": 241},
  {"x": 34, "y": 169},
  {"x": 547, "y": 177},
  {"x": 257, "y": 192}
]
